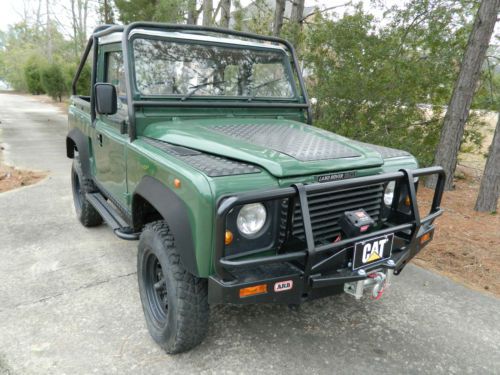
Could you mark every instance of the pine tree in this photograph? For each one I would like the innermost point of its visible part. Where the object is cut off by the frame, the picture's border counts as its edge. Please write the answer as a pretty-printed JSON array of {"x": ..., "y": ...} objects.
[
  {"x": 465, "y": 86},
  {"x": 489, "y": 191}
]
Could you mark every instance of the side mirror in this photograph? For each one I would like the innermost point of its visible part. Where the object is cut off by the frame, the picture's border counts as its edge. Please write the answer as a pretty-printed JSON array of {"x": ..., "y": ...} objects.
[{"x": 106, "y": 99}]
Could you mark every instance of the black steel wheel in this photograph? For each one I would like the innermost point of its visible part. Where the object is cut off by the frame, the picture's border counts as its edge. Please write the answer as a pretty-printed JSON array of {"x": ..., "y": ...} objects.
[
  {"x": 175, "y": 302},
  {"x": 156, "y": 288}
]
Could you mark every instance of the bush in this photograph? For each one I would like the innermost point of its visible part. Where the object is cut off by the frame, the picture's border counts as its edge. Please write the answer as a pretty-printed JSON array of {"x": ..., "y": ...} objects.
[
  {"x": 53, "y": 81},
  {"x": 32, "y": 76},
  {"x": 83, "y": 85}
]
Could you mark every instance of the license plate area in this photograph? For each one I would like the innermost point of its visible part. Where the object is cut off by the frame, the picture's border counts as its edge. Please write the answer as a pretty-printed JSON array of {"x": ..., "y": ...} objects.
[{"x": 372, "y": 251}]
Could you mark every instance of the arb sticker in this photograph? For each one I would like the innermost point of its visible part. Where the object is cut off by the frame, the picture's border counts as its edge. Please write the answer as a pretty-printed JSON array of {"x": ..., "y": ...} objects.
[{"x": 281, "y": 286}]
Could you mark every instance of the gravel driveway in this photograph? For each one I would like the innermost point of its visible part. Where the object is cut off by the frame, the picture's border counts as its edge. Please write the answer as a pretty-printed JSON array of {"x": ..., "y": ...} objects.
[{"x": 69, "y": 301}]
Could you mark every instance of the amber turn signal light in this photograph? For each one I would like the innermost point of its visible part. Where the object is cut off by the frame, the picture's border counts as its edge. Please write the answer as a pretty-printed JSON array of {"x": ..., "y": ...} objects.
[
  {"x": 177, "y": 183},
  {"x": 228, "y": 237},
  {"x": 253, "y": 290},
  {"x": 425, "y": 238},
  {"x": 407, "y": 201}
]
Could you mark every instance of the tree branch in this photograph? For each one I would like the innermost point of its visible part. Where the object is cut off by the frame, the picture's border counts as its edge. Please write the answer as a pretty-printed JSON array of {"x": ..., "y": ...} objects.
[
  {"x": 216, "y": 11},
  {"x": 493, "y": 57},
  {"x": 318, "y": 11}
]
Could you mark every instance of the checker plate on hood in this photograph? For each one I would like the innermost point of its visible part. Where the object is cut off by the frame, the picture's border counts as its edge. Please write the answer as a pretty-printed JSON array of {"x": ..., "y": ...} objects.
[
  {"x": 303, "y": 146},
  {"x": 385, "y": 152},
  {"x": 211, "y": 165}
]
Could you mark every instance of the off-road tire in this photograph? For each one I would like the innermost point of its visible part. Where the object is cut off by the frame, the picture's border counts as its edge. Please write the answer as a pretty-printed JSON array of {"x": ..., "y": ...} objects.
[
  {"x": 81, "y": 185},
  {"x": 178, "y": 319}
]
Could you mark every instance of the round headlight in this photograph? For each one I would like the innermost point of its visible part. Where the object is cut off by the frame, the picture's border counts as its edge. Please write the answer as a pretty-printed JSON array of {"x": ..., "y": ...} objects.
[
  {"x": 251, "y": 219},
  {"x": 389, "y": 193}
]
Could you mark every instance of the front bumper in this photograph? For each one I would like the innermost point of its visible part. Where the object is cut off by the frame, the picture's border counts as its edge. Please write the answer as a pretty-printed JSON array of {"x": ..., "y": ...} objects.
[{"x": 310, "y": 270}]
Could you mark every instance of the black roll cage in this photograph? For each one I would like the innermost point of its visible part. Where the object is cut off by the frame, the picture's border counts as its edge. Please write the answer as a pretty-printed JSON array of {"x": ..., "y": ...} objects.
[{"x": 132, "y": 104}]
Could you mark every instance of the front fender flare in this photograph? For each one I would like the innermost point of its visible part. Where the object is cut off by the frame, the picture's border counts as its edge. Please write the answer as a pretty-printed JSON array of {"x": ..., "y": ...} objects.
[
  {"x": 76, "y": 138},
  {"x": 175, "y": 212}
]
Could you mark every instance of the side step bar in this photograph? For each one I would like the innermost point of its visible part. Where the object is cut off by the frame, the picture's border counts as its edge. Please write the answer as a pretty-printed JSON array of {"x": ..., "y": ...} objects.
[{"x": 111, "y": 216}]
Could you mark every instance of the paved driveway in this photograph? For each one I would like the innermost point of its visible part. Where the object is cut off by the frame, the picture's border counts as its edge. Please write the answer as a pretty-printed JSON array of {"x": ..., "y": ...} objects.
[{"x": 69, "y": 301}]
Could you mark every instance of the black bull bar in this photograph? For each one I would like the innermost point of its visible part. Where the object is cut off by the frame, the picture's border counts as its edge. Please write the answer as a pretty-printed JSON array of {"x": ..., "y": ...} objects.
[{"x": 407, "y": 227}]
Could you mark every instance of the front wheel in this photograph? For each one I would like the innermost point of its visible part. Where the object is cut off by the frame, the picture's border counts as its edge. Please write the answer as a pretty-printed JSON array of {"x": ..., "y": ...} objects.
[{"x": 175, "y": 302}]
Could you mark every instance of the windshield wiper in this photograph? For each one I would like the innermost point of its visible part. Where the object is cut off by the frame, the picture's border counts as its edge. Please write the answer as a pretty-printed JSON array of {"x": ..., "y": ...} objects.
[
  {"x": 262, "y": 85},
  {"x": 197, "y": 87}
]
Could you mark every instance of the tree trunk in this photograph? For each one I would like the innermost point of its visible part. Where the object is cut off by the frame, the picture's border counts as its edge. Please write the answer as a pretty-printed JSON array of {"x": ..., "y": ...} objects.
[
  {"x": 73, "y": 25},
  {"x": 192, "y": 15},
  {"x": 108, "y": 17},
  {"x": 83, "y": 23},
  {"x": 82, "y": 15},
  {"x": 279, "y": 13},
  {"x": 79, "y": 17},
  {"x": 459, "y": 106},
  {"x": 106, "y": 11},
  {"x": 85, "y": 18},
  {"x": 225, "y": 13},
  {"x": 297, "y": 11},
  {"x": 208, "y": 9},
  {"x": 38, "y": 15},
  {"x": 489, "y": 191},
  {"x": 49, "y": 32}
]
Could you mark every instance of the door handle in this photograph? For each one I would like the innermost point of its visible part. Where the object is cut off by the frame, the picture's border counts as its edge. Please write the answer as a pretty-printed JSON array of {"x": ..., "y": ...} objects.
[{"x": 99, "y": 139}]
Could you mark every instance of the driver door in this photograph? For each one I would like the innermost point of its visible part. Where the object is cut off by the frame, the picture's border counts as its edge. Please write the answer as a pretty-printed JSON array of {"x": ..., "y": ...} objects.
[{"x": 109, "y": 143}]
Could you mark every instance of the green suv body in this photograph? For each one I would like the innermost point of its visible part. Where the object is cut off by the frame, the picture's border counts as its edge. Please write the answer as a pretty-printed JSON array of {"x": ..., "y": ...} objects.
[{"x": 197, "y": 142}]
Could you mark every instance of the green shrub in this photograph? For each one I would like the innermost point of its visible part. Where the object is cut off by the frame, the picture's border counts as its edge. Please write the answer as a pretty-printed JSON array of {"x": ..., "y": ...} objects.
[
  {"x": 53, "y": 81},
  {"x": 32, "y": 76},
  {"x": 83, "y": 85},
  {"x": 386, "y": 87}
]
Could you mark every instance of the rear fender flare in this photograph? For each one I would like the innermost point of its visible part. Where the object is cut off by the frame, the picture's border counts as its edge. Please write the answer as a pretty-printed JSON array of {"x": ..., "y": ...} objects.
[
  {"x": 175, "y": 212},
  {"x": 76, "y": 138}
]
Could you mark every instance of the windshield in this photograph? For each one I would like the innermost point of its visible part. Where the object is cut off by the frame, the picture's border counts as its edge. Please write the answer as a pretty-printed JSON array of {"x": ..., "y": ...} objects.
[{"x": 164, "y": 67}]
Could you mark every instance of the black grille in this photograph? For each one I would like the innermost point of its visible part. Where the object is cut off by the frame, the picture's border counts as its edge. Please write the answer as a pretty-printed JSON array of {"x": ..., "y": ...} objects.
[{"x": 326, "y": 208}]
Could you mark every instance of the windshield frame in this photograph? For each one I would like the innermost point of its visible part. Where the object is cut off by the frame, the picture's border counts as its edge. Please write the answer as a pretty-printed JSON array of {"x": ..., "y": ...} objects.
[
  {"x": 287, "y": 64},
  {"x": 108, "y": 33}
]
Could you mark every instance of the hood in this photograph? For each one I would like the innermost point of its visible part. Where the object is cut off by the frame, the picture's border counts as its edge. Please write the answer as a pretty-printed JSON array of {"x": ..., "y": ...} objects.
[{"x": 284, "y": 148}]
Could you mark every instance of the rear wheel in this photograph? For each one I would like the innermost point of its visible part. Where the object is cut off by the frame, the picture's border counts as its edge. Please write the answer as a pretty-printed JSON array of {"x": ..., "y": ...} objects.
[
  {"x": 81, "y": 185},
  {"x": 174, "y": 301}
]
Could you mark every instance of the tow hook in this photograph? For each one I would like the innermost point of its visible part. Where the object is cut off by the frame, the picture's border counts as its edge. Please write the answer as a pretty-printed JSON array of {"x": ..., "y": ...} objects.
[
  {"x": 376, "y": 283},
  {"x": 379, "y": 286}
]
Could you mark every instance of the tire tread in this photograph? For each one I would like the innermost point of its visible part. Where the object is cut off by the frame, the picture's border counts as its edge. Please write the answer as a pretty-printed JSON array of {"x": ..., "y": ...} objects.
[
  {"x": 192, "y": 293},
  {"x": 88, "y": 215}
]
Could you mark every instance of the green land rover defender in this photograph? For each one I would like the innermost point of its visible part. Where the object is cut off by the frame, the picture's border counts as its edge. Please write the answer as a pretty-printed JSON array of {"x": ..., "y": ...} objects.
[{"x": 198, "y": 143}]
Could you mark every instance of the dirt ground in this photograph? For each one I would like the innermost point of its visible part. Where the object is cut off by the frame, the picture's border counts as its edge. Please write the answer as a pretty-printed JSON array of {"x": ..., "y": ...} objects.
[
  {"x": 466, "y": 245},
  {"x": 12, "y": 178}
]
